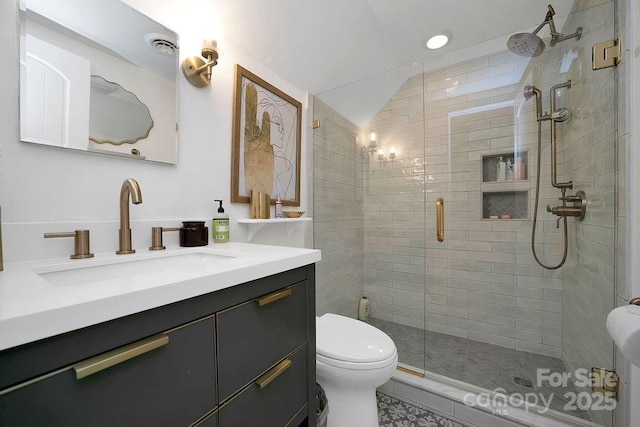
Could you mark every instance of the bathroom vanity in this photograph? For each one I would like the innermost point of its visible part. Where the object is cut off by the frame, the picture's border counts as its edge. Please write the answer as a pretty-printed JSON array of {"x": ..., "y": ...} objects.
[{"x": 242, "y": 354}]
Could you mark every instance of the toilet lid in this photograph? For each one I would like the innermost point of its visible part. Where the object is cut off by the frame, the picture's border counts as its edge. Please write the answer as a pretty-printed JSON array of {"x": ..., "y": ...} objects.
[{"x": 350, "y": 340}]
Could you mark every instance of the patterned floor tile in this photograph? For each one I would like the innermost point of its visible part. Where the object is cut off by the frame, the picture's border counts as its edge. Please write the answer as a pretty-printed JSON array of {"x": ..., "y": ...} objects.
[{"x": 396, "y": 413}]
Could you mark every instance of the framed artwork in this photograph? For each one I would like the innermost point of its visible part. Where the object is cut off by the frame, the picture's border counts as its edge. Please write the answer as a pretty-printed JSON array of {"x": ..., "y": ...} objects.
[{"x": 267, "y": 131}]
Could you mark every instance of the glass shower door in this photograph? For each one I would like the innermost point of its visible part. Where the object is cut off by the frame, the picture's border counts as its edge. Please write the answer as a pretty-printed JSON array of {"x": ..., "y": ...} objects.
[{"x": 494, "y": 317}]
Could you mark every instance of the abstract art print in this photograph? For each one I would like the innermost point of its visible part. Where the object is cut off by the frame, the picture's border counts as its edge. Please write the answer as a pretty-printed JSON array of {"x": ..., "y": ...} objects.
[{"x": 267, "y": 130}]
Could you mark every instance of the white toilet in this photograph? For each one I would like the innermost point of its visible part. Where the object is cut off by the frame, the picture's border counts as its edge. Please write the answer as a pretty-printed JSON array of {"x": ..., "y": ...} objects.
[{"x": 353, "y": 358}]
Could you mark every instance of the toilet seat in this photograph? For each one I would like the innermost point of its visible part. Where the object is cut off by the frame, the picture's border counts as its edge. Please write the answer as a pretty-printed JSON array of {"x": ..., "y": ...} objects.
[
  {"x": 337, "y": 363},
  {"x": 352, "y": 344}
]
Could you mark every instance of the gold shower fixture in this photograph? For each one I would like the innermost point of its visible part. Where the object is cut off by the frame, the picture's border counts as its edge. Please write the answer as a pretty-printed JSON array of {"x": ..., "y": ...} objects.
[{"x": 196, "y": 70}]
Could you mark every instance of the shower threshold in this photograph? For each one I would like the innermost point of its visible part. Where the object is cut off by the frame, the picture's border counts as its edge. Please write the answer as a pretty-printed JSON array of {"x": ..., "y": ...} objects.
[{"x": 482, "y": 369}]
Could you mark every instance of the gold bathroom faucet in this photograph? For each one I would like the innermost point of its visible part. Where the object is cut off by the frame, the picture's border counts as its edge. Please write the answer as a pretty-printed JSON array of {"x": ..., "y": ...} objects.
[{"x": 129, "y": 187}]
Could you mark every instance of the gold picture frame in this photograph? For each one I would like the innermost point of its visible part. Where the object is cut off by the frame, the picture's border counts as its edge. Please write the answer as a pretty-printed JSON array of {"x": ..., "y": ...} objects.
[{"x": 266, "y": 140}]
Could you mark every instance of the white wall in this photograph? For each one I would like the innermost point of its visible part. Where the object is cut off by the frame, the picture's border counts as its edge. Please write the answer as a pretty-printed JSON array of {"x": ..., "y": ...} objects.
[{"x": 51, "y": 189}]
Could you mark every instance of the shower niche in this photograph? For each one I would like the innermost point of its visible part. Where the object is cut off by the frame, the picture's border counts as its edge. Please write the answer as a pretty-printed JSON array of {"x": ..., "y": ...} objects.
[{"x": 505, "y": 194}]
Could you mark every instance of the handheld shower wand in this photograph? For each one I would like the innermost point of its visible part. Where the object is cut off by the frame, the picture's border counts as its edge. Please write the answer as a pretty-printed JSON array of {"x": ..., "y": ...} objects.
[{"x": 579, "y": 208}]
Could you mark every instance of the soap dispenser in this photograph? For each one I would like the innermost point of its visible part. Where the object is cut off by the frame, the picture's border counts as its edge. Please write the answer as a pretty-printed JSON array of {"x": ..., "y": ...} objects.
[{"x": 220, "y": 225}]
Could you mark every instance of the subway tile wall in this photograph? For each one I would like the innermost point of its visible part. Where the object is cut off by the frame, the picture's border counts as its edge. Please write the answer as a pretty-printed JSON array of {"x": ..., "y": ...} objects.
[
  {"x": 337, "y": 212},
  {"x": 626, "y": 115},
  {"x": 591, "y": 157},
  {"x": 482, "y": 282}
]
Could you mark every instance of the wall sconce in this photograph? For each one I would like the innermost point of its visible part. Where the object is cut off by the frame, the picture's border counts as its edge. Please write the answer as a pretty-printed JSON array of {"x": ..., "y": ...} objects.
[
  {"x": 197, "y": 71},
  {"x": 392, "y": 155},
  {"x": 373, "y": 144}
]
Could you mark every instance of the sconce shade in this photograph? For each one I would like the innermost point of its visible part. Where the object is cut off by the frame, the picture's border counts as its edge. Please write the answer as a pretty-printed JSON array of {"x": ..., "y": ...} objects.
[{"x": 196, "y": 70}]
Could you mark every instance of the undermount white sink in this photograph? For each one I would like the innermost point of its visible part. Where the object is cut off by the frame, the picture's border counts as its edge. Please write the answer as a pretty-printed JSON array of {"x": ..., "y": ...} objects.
[{"x": 74, "y": 274}]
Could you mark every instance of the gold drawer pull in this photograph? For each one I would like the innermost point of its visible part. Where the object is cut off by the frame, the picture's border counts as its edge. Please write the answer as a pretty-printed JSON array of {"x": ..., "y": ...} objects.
[
  {"x": 118, "y": 355},
  {"x": 273, "y": 373},
  {"x": 440, "y": 219},
  {"x": 275, "y": 296}
]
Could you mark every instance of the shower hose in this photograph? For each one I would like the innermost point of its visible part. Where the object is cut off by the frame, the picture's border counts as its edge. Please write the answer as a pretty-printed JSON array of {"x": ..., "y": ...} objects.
[{"x": 535, "y": 213}]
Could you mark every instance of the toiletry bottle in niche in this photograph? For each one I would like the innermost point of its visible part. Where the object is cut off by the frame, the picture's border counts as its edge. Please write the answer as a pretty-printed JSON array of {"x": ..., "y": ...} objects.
[
  {"x": 363, "y": 308},
  {"x": 519, "y": 169},
  {"x": 278, "y": 207},
  {"x": 220, "y": 225},
  {"x": 501, "y": 169},
  {"x": 509, "y": 171}
]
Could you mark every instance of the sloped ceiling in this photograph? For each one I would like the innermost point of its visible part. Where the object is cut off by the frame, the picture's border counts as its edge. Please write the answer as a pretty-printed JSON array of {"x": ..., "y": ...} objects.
[{"x": 354, "y": 54}]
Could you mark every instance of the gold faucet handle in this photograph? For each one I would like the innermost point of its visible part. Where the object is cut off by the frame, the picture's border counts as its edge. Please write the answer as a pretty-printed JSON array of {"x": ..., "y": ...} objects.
[
  {"x": 156, "y": 237},
  {"x": 80, "y": 242}
]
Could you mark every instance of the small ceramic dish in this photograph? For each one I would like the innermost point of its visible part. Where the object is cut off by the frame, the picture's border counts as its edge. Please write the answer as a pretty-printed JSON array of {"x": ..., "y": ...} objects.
[{"x": 293, "y": 214}]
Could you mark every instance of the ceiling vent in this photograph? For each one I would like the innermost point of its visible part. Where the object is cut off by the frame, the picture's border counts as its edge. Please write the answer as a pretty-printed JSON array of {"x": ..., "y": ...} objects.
[{"x": 161, "y": 43}]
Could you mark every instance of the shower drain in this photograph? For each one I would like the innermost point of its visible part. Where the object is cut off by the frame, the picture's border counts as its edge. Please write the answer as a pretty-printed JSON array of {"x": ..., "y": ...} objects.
[{"x": 522, "y": 382}]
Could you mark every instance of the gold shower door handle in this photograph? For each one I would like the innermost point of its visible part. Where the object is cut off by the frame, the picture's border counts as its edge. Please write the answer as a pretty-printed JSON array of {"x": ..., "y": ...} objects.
[{"x": 440, "y": 219}]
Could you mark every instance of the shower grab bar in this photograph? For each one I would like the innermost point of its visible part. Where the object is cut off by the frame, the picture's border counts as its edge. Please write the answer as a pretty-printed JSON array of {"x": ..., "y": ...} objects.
[
  {"x": 554, "y": 154},
  {"x": 440, "y": 219}
]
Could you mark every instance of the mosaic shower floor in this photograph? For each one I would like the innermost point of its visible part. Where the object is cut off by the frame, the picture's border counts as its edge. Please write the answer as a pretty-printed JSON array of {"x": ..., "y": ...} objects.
[{"x": 484, "y": 365}]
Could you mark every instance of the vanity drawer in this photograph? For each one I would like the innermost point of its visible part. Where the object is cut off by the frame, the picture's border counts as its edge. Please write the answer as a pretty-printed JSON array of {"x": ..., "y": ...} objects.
[
  {"x": 255, "y": 335},
  {"x": 168, "y": 384},
  {"x": 276, "y": 402}
]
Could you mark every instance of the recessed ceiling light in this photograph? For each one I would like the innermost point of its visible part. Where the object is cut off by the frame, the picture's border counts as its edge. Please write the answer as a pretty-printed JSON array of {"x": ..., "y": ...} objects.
[{"x": 438, "y": 40}]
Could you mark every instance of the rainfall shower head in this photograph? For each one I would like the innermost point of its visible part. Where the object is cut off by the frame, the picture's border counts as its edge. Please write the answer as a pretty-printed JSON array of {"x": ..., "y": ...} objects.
[
  {"x": 530, "y": 44},
  {"x": 526, "y": 44}
]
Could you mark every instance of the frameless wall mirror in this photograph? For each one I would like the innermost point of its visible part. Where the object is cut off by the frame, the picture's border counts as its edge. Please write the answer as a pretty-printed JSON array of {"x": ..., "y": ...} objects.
[{"x": 98, "y": 76}]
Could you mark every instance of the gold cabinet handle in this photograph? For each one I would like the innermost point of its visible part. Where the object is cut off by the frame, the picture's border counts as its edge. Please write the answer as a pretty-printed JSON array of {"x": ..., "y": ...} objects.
[
  {"x": 118, "y": 355},
  {"x": 275, "y": 296},
  {"x": 440, "y": 219},
  {"x": 273, "y": 373}
]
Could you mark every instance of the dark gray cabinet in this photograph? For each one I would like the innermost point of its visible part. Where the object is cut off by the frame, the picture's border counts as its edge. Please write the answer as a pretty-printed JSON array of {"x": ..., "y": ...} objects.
[
  {"x": 255, "y": 335},
  {"x": 170, "y": 385},
  {"x": 240, "y": 356},
  {"x": 274, "y": 404}
]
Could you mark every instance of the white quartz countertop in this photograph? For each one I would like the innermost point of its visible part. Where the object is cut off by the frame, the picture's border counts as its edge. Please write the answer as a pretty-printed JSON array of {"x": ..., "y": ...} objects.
[{"x": 33, "y": 306}]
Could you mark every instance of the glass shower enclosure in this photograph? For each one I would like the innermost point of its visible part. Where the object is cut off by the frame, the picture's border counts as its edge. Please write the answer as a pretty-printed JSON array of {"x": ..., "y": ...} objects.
[{"x": 463, "y": 194}]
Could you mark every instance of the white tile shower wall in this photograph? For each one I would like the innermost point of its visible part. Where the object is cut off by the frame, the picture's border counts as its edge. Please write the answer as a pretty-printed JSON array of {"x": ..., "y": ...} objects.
[
  {"x": 338, "y": 216},
  {"x": 625, "y": 119},
  {"x": 590, "y": 155},
  {"x": 394, "y": 224},
  {"x": 482, "y": 282}
]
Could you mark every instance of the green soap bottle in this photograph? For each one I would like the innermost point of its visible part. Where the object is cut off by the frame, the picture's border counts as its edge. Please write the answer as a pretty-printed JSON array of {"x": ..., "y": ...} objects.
[{"x": 220, "y": 225}]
